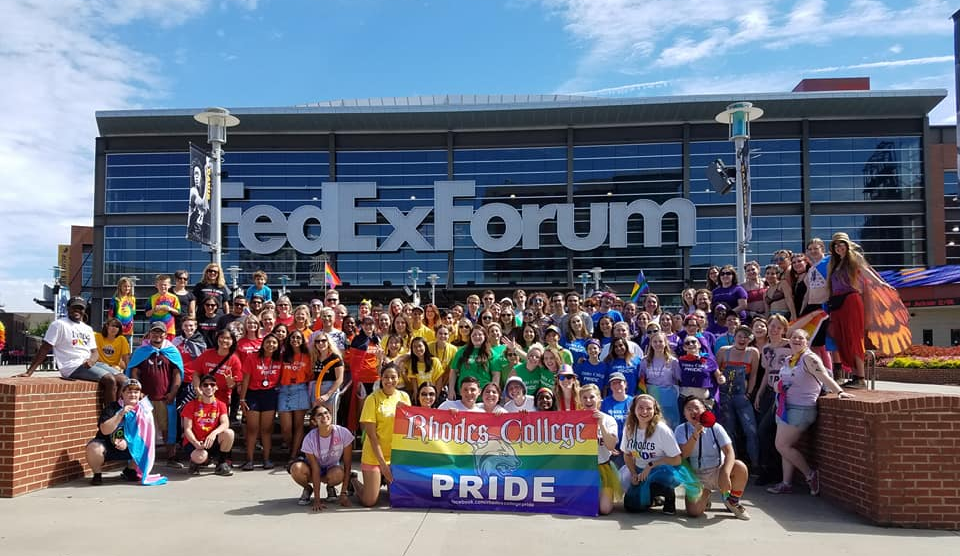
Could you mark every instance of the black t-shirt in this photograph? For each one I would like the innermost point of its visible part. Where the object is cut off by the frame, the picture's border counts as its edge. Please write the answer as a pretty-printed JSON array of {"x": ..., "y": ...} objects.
[
  {"x": 208, "y": 327},
  {"x": 108, "y": 412},
  {"x": 226, "y": 320},
  {"x": 185, "y": 300},
  {"x": 203, "y": 290}
]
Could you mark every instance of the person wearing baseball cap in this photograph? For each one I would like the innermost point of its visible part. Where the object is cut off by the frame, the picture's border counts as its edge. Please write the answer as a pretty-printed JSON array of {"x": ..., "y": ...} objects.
[
  {"x": 617, "y": 405},
  {"x": 74, "y": 348},
  {"x": 517, "y": 398},
  {"x": 110, "y": 444}
]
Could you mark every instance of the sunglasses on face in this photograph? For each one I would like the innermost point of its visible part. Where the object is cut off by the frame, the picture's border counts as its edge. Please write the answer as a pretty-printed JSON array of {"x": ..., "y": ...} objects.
[
  {"x": 726, "y": 274},
  {"x": 691, "y": 343},
  {"x": 212, "y": 271},
  {"x": 214, "y": 305},
  {"x": 565, "y": 377}
]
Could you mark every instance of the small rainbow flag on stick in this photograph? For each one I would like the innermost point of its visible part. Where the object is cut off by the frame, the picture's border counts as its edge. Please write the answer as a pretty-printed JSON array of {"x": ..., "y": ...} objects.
[
  {"x": 640, "y": 287},
  {"x": 330, "y": 277}
]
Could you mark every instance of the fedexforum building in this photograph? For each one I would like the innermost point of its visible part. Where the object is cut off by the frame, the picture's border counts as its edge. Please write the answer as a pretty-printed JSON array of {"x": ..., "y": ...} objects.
[{"x": 531, "y": 192}]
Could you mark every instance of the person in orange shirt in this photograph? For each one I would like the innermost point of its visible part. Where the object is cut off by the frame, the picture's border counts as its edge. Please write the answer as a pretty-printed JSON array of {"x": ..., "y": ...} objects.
[{"x": 293, "y": 394}]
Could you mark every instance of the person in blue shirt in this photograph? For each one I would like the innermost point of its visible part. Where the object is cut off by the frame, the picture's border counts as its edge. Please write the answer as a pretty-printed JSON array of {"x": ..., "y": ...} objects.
[
  {"x": 606, "y": 309},
  {"x": 617, "y": 405},
  {"x": 260, "y": 287},
  {"x": 592, "y": 370},
  {"x": 621, "y": 360}
]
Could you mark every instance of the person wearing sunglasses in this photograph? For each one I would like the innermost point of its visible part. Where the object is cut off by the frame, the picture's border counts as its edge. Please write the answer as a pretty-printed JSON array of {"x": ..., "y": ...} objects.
[
  {"x": 188, "y": 301},
  {"x": 699, "y": 374},
  {"x": 206, "y": 429},
  {"x": 209, "y": 319},
  {"x": 567, "y": 389},
  {"x": 730, "y": 292},
  {"x": 324, "y": 458},
  {"x": 212, "y": 284}
]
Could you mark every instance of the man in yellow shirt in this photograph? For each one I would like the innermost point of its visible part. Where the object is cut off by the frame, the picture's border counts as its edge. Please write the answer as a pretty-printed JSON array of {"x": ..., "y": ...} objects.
[{"x": 417, "y": 328}]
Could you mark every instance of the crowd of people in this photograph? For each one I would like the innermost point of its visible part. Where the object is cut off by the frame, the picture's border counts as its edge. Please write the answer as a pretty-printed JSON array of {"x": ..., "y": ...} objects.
[{"x": 654, "y": 378}]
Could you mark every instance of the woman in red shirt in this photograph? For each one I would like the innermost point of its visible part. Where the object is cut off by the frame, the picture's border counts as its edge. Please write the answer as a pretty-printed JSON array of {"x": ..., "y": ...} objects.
[
  {"x": 251, "y": 340},
  {"x": 293, "y": 393},
  {"x": 258, "y": 398},
  {"x": 222, "y": 362}
]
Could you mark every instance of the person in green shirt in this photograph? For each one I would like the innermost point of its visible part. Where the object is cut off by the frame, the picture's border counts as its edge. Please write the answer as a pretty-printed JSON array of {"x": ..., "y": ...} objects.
[{"x": 476, "y": 359}]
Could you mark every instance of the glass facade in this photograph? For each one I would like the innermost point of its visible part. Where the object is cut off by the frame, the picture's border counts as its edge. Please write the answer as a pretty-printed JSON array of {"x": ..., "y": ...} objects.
[
  {"x": 855, "y": 171},
  {"x": 951, "y": 204},
  {"x": 866, "y": 169},
  {"x": 517, "y": 176}
]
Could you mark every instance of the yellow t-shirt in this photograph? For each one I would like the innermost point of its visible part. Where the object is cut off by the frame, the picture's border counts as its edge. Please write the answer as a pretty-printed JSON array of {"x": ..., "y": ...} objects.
[
  {"x": 424, "y": 332},
  {"x": 414, "y": 380},
  {"x": 380, "y": 409},
  {"x": 111, "y": 352},
  {"x": 449, "y": 350}
]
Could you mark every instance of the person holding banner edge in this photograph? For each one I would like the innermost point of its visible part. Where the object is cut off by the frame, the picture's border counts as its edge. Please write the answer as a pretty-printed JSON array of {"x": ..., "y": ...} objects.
[
  {"x": 379, "y": 410},
  {"x": 607, "y": 436}
]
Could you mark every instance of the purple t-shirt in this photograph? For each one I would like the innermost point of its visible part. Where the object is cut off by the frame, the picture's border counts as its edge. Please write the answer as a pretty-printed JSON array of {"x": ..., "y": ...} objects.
[
  {"x": 729, "y": 297},
  {"x": 329, "y": 450}
]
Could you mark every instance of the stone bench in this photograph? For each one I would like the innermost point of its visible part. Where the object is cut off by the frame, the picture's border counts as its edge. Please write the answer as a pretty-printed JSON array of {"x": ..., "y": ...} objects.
[
  {"x": 892, "y": 457},
  {"x": 45, "y": 424}
]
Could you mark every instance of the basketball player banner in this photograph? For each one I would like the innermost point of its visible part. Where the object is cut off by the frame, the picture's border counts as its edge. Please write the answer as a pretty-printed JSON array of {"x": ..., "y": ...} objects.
[{"x": 537, "y": 462}]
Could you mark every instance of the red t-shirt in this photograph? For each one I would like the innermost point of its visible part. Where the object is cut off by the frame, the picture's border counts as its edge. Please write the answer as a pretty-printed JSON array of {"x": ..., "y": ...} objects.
[
  {"x": 246, "y": 346},
  {"x": 264, "y": 374},
  {"x": 204, "y": 417},
  {"x": 208, "y": 361},
  {"x": 297, "y": 371}
]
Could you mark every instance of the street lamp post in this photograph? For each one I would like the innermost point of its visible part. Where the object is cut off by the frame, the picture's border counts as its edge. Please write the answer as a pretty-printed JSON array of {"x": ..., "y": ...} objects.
[
  {"x": 596, "y": 271},
  {"x": 283, "y": 284},
  {"x": 414, "y": 273},
  {"x": 217, "y": 121},
  {"x": 584, "y": 279},
  {"x": 234, "y": 278},
  {"x": 738, "y": 116},
  {"x": 432, "y": 279}
]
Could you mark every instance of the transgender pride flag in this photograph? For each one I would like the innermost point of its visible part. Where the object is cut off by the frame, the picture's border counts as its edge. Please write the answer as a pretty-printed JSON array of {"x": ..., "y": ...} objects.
[{"x": 140, "y": 435}]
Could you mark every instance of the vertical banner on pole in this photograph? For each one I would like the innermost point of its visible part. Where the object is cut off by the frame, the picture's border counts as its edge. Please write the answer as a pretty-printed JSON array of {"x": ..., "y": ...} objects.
[
  {"x": 744, "y": 161},
  {"x": 198, "y": 214}
]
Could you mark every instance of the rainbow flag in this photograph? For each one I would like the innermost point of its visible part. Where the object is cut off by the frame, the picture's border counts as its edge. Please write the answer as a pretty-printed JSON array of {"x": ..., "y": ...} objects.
[
  {"x": 537, "y": 462},
  {"x": 330, "y": 277},
  {"x": 640, "y": 287}
]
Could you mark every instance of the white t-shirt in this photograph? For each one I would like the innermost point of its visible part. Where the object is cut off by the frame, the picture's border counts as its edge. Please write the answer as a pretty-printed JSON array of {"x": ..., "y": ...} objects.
[
  {"x": 329, "y": 450},
  {"x": 610, "y": 424},
  {"x": 512, "y": 407},
  {"x": 458, "y": 405},
  {"x": 72, "y": 343},
  {"x": 661, "y": 444},
  {"x": 708, "y": 453}
]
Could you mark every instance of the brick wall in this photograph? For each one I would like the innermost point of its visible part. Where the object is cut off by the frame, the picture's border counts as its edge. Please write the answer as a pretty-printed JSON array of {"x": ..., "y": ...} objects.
[
  {"x": 45, "y": 424},
  {"x": 919, "y": 376},
  {"x": 892, "y": 457}
]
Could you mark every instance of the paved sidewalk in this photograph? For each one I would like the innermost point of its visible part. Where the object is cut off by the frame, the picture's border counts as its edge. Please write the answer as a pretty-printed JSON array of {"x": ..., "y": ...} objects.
[{"x": 256, "y": 513}]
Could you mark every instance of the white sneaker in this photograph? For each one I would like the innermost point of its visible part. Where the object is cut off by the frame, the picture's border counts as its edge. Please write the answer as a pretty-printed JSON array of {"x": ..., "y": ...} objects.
[{"x": 304, "y": 499}]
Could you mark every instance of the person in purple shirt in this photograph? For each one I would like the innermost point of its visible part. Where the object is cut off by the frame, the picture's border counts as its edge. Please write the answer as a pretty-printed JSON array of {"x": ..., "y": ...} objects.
[
  {"x": 699, "y": 375},
  {"x": 730, "y": 292}
]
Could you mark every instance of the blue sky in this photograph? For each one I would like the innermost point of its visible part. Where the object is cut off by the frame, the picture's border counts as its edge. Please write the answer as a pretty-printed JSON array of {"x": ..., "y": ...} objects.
[{"x": 64, "y": 60}]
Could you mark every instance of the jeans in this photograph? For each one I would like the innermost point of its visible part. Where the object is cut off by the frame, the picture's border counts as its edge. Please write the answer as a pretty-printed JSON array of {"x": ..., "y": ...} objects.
[
  {"x": 770, "y": 465},
  {"x": 734, "y": 409}
]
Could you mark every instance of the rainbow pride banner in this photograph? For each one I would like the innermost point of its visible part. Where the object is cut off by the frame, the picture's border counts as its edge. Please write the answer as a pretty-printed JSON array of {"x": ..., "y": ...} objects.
[{"x": 538, "y": 462}]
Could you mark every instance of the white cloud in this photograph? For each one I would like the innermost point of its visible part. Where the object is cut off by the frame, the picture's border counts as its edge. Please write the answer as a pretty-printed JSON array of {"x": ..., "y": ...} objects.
[
  {"x": 670, "y": 33},
  {"x": 888, "y": 64},
  {"x": 60, "y": 64},
  {"x": 896, "y": 49},
  {"x": 623, "y": 90}
]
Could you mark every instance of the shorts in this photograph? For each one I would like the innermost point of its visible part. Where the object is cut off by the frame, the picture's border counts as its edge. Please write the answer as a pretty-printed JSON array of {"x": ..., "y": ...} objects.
[
  {"x": 303, "y": 459},
  {"x": 111, "y": 452},
  {"x": 292, "y": 397},
  {"x": 93, "y": 374},
  {"x": 709, "y": 478},
  {"x": 212, "y": 453},
  {"x": 369, "y": 467},
  {"x": 800, "y": 416},
  {"x": 262, "y": 400}
]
